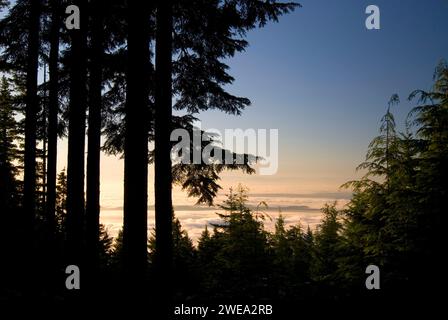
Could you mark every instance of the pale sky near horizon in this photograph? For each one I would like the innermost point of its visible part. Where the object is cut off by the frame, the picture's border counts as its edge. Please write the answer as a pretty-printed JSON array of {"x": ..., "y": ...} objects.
[{"x": 323, "y": 80}]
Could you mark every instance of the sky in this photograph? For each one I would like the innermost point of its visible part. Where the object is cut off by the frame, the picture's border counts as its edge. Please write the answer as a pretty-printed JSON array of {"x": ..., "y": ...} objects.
[{"x": 323, "y": 80}]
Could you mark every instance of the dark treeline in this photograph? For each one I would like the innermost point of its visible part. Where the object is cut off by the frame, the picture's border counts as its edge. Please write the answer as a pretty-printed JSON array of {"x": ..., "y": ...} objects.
[{"x": 117, "y": 80}]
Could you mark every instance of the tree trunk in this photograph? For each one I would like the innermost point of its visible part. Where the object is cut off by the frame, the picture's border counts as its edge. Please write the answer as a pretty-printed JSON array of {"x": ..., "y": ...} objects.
[
  {"x": 76, "y": 139},
  {"x": 162, "y": 159},
  {"x": 53, "y": 110},
  {"x": 32, "y": 105},
  {"x": 136, "y": 146},
  {"x": 94, "y": 136}
]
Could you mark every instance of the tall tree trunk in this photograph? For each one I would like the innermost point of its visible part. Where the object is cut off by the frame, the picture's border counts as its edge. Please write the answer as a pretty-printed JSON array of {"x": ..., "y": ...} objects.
[
  {"x": 32, "y": 105},
  {"x": 162, "y": 159},
  {"x": 50, "y": 252},
  {"x": 136, "y": 145},
  {"x": 94, "y": 135},
  {"x": 76, "y": 138},
  {"x": 53, "y": 110}
]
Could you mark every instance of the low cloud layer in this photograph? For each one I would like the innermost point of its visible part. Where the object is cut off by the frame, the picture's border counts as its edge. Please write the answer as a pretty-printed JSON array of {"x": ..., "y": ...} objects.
[{"x": 295, "y": 208}]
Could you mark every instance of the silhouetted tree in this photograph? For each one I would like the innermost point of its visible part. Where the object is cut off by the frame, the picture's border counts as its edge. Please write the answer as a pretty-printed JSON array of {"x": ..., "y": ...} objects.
[
  {"x": 430, "y": 119},
  {"x": 117, "y": 253},
  {"x": 9, "y": 151},
  {"x": 326, "y": 241},
  {"x": 32, "y": 105},
  {"x": 94, "y": 133},
  {"x": 105, "y": 247},
  {"x": 61, "y": 203},
  {"x": 76, "y": 137},
  {"x": 53, "y": 111},
  {"x": 185, "y": 269},
  {"x": 238, "y": 265},
  {"x": 292, "y": 260},
  {"x": 136, "y": 145},
  {"x": 162, "y": 150},
  {"x": 9, "y": 188}
]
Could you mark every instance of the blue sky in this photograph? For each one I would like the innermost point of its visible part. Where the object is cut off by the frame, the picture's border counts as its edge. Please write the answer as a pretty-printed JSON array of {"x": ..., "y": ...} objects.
[{"x": 324, "y": 80}]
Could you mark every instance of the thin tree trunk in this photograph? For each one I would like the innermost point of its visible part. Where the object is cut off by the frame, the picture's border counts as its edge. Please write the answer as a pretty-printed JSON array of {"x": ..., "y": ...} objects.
[
  {"x": 53, "y": 110},
  {"x": 94, "y": 136},
  {"x": 76, "y": 139},
  {"x": 44, "y": 142},
  {"x": 162, "y": 159},
  {"x": 32, "y": 104},
  {"x": 136, "y": 146}
]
